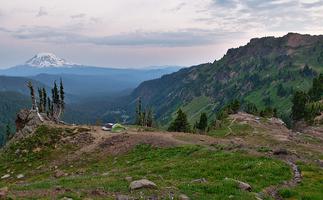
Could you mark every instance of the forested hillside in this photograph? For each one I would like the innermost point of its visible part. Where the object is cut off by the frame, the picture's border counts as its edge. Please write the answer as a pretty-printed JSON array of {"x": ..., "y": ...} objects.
[
  {"x": 265, "y": 72},
  {"x": 10, "y": 104}
]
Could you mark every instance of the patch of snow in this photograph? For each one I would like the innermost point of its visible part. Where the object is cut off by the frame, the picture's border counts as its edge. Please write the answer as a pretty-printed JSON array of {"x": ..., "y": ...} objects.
[{"x": 47, "y": 60}]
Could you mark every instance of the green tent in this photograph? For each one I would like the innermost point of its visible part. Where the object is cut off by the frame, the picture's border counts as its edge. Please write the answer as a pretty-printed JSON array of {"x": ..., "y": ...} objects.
[{"x": 116, "y": 128}]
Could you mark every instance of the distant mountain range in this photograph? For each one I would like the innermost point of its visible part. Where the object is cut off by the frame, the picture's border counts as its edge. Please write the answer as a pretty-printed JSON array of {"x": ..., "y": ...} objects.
[
  {"x": 265, "y": 72},
  {"x": 83, "y": 80}
]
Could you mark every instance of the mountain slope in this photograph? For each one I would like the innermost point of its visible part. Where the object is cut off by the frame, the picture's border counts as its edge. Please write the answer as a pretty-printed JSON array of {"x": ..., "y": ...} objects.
[
  {"x": 253, "y": 73},
  {"x": 10, "y": 104},
  {"x": 18, "y": 84}
]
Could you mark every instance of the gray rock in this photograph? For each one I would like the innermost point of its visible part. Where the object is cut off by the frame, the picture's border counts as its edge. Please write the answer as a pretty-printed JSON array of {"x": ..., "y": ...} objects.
[
  {"x": 241, "y": 185},
  {"x": 183, "y": 197},
  {"x": 66, "y": 198},
  {"x": 59, "y": 173},
  {"x": 19, "y": 176},
  {"x": 143, "y": 183},
  {"x": 200, "y": 180},
  {"x": 5, "y": 176},
  {"x": 128, "y": 178}
]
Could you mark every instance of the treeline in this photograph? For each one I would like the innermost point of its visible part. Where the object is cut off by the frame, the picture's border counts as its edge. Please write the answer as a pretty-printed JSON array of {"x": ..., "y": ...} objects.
[
  {"x": 307, "y": 105},
  {"x": 52, "y": 107}
]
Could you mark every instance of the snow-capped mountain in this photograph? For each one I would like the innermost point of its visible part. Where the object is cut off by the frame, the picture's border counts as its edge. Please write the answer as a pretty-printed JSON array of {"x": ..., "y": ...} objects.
[{"x": 47, "y": 60}]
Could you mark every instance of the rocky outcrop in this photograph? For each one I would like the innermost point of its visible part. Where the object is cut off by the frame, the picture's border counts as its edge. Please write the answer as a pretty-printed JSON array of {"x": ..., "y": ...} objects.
[
  {"x": 26, "y": 122},
  {"x": 143, "y": 183}
]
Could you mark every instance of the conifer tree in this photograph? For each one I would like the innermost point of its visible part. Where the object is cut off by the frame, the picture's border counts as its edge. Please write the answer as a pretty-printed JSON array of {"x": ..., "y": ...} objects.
[
  {"x": 139, "y": 112},
  {"x": 62, "y": 94},
  {"x": 41, "y": 100},
  {"x": 44, "y": 99},
  {"x": 203, "y": 122},
  {"x": 150, "y": 118},
  {"x": 32, "y": 95},
  {"x": 299, "y": 102},
  {"x": 180, "y": 124}
]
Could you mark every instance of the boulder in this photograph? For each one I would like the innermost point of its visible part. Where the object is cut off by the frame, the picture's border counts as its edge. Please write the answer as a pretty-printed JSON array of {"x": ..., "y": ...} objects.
[
  {"x": 241, "y": 185},
  {"x": 4, "y": 192},
  {"x": 143, "y": 183}
]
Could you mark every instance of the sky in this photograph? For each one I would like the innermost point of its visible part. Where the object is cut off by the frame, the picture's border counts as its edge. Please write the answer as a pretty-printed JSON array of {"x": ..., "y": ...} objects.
[{"x": 138, "y": 33}]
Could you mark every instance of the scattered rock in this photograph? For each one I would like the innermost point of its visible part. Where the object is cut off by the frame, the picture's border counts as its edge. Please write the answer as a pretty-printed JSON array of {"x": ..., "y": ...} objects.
[
  {"x": 5, "y": 176},
  {"x": 4, "y": 192},
  {"x": 105, "y": 174},
  {"x": 123, "y": 197},
  {"x": 183, "y": 197},
  {"x": 200, "y": 180},
  {"x": 280, "y": 152},
  {"x": 19, "y": 176},
  {"x": 66, "y": 198},
  {"x": 59, "y": 173},
  {"x": 143, "y": 183},
  {"x": 98, "y": 192},
  {"x": 241, "y": 185},
  {"x": 128, "y": 178}
]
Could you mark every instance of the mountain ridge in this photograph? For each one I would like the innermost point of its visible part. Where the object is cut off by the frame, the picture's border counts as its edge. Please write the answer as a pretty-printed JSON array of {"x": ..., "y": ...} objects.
[{"x": 249, "y": 73}]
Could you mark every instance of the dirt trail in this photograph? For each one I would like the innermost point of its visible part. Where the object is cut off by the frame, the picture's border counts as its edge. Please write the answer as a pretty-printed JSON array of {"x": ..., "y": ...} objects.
[{"x": 273, "y": 190}]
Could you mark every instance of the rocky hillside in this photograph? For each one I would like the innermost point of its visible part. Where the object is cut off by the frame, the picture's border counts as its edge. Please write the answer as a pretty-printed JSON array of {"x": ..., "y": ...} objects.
[{"x": 265, "y": 72}]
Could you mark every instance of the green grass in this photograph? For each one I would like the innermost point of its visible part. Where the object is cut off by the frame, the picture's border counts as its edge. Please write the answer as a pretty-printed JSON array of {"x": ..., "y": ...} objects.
[
  {"x": 311, "y": 187},
  {"x": 173, "y": 169}
]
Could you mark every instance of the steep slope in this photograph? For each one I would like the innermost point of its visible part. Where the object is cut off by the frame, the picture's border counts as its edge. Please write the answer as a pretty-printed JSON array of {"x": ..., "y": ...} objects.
[
  {"x": 254, "y": 72},
  {"x": 10, "y": 104}
]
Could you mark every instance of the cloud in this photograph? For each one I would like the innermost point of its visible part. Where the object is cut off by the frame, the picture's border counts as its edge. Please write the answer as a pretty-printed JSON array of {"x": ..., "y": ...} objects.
[
  {"x": 42, "y": 12},
  {"x": 313, "y": 4},
  {"x": 81, "y": 15},
  {"x": 263, "y": 15},
  {"x": 180, "y": 38}
]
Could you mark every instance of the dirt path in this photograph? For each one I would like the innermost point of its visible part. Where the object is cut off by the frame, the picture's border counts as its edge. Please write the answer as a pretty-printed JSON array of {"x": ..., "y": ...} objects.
[{"x": 273, "y": 191}]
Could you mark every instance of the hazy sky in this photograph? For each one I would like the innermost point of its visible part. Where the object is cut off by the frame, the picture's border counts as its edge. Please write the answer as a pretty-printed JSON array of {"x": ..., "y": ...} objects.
[{"x": 135, "y": 33}]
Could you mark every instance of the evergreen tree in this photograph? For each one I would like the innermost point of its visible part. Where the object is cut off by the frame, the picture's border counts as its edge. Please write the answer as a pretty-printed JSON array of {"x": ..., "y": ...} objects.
[
  {"x": 150, "y": 117},
  {"x": 49, "y": 107},
  {"x": 180, "y": 124},
  {"x": 139, "y": 112},
  {"x": 235, "y": 106},
  {"x": 32, "y": 95},
  {"x": 251, "y": 108},
  {"x": 44, "y": 99},
  {"x": 203, "y": 122},
  {"x": 62, "y": 94},
  {"x": 299, "y": 102},
  {"x": 41, "y": 100},
  {"x": 316, "y": 91},
  {"x": 281, "y": 92}
]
